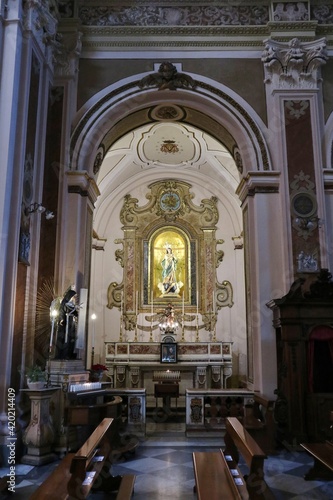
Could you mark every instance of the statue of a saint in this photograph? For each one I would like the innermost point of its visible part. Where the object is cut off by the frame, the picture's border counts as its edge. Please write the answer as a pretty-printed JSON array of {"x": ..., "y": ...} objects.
[
  {"x": 169, "y": 282},
  {"x": 67, "y": 325}
]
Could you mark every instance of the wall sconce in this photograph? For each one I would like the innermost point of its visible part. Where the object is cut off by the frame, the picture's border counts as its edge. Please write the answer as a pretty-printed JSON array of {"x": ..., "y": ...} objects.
[
  {"x": 307, "y": 224},
  {"x": 169, "y": 324},
  {"x": 38, "y": 208}
]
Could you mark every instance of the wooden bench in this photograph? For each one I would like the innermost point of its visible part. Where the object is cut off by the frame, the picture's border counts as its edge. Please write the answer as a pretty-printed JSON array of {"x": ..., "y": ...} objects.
[
  {"x": 322, "y": 453},
  {"x": 88, "y": 469},
  {"x": 259, "y": 421},
  {"x": 238, "y": 441},
  {"x": 214, "y": 479}
]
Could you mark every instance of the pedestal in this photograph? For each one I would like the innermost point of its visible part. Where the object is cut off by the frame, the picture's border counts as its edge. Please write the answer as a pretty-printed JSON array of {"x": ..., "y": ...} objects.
[{"x": 39, "y": 435}]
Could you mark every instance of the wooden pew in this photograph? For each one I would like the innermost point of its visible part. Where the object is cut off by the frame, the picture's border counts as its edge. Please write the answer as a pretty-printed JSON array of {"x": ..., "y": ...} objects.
[
  {"x": 259, "y": 421},
  {"x": 214, "y": 479},
  {"x": 88, "y": 469},
  {"x": 322, "y": 453},
  {"x": 238, "y": 441}
]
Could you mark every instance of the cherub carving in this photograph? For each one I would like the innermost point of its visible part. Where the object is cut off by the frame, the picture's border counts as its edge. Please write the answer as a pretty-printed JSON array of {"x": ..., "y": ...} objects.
[{"x": 167, "y": 77}]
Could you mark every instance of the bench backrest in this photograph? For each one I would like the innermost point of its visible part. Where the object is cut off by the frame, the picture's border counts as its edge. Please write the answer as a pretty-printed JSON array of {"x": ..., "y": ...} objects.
[
  {"x": 99, "y": 442},
  {"x": 247, "y": 446}
]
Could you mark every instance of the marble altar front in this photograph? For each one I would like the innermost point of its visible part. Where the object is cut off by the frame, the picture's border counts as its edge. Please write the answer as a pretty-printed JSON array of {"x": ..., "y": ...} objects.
[{"x": 202, "y": 365}]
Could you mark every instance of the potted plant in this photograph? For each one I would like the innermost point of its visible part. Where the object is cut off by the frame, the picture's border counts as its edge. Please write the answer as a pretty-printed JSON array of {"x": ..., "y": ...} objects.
[
  {"x": 36, "y": 377},
  {"x": 96, "y": 372}
]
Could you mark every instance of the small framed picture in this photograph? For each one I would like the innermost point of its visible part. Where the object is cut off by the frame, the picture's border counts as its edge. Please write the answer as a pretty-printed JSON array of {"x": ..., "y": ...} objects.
[{"x": 169, "y": 352}]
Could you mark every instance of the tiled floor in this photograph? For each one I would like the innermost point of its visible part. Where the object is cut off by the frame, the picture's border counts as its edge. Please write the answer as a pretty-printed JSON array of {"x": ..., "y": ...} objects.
[{"x": 163, "y": 467}]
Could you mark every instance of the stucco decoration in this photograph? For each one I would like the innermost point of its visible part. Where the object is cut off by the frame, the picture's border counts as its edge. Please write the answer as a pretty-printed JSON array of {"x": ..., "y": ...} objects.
[
  {"x": 175, "y": 15},
  {"x": 167, "y": 77},
  {"x": 170, "y": 225},
  {"x": 291, "y": 11},
  {"x": 295, "y": 64},
  {"x": 170, "y": 144}
]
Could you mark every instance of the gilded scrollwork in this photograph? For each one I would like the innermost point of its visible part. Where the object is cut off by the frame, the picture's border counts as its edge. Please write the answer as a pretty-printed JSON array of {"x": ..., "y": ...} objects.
[
  {"x": 119, "y": 254},
  {"x": 170, "y": 227},
  {"x": 114, "y": 295},
  {"x": 224, "y": 294},
  {"x": 219, "y": 253}
]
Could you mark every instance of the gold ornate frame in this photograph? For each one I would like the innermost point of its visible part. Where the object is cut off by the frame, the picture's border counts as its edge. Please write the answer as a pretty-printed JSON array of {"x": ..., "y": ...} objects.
[{"x": 169, "y": 220}]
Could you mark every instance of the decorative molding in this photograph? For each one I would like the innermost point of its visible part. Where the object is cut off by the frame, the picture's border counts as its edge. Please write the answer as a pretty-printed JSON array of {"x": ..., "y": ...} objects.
[
  {"x": 79, "y": 182},
  {"x": 164, "y": 15},
  {"x": 303, "y": 205},
  {"x": 258, "y": 182},
  {"x": 41, "y": 20},
  {"x": 295, "y": 64},
  {"x": 67, "y": 48},
  {"x": 167, "y": 77}
]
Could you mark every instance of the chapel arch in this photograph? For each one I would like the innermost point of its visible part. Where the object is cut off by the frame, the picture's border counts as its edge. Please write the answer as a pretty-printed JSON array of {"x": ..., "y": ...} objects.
[
  {"x": 112, "y": 114},
  {"x": 210, "y": 106}
]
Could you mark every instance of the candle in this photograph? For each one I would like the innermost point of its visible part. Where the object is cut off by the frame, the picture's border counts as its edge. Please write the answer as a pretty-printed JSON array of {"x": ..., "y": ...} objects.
[
  {"x": 197, "y": 303},
  {"x": 152, "y": 305},
  {"x": 213, "y": 302},
  {"x": 93, "y": 317},
  {"x": 52, "y": 329},
  {"x": 136, "y": 303}
]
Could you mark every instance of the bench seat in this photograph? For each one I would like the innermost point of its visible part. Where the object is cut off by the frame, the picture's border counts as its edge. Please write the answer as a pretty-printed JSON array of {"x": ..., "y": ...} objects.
[
  {"x": 322, "y": 453},
  {"x": 213, "y": 478}
]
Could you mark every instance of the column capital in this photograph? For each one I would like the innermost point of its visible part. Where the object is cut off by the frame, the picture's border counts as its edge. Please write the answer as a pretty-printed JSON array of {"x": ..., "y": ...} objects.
[{"x": 293, "y": 65}]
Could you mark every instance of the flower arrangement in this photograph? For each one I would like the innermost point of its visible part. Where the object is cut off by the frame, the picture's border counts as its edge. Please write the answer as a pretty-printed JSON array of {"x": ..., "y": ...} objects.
[
  {"x": 96, "y": 372},
  {"x": 98, "y": 368}
]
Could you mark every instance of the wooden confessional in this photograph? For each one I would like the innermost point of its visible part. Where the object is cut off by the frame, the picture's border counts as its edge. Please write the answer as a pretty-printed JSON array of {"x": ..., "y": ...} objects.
[{"x": 303, "y": 322}]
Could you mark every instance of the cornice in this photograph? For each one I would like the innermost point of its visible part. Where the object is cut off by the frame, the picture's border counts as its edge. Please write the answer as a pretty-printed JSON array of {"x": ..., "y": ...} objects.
[
  {"x": 112, "y": 38},
  {"x": 258, "y": 182}
]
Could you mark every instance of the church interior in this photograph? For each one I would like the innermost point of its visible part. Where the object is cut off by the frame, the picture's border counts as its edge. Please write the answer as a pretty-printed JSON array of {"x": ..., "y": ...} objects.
[{"x": 166, "y": 246}]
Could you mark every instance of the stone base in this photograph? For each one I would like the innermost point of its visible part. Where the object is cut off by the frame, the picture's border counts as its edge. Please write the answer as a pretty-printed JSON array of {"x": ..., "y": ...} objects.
[{"x": 38, "y": 459}]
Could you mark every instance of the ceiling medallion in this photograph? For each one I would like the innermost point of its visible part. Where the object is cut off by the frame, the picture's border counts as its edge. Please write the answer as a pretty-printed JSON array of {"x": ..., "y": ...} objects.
[{"x": 167, "y": 112}]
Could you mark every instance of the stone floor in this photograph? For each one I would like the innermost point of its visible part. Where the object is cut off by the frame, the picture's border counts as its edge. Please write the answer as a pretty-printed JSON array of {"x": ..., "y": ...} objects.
[{"x": 163, "y": 467}]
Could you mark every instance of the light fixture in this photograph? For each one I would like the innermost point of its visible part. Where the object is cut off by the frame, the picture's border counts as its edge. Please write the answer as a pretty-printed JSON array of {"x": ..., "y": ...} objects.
[
  {"x": 307, "y": 224},
  {"x": 38, "y": 208},
  {"x": 169, "y": 324}
]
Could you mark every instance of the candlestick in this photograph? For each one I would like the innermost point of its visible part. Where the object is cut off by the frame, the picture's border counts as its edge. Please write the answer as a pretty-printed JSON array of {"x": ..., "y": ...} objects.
[
  {"x": 197, "y": 302},
  {"x": 136, "y": 317},
  {"x": 152, "y": 315},
  {"x": 121, "y": 318},
  {"x": 183, "y": 320},
  {"x": 66, "y": 335}
]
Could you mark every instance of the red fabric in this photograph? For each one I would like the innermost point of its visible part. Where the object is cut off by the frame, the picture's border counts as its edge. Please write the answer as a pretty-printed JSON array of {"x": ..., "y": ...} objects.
[{"x": 322, "y": 333}]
